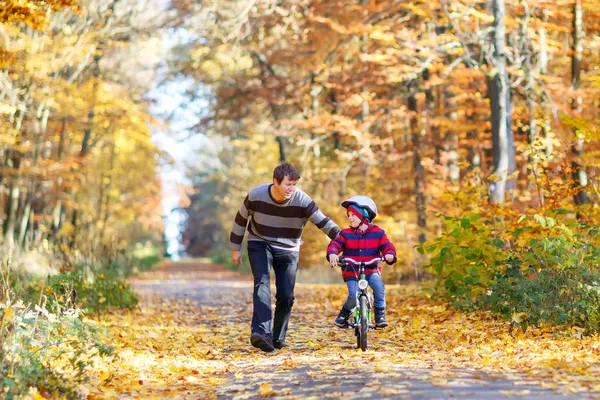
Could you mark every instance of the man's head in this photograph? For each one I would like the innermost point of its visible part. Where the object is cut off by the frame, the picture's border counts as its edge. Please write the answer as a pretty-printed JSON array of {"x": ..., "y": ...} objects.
[
  {"x": 285, "y": 169},
  {"x": 285, "y": 179}
]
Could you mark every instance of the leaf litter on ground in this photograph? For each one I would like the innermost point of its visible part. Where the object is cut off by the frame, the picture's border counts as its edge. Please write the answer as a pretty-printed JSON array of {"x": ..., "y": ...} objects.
[{"x": 181, "y": 348}]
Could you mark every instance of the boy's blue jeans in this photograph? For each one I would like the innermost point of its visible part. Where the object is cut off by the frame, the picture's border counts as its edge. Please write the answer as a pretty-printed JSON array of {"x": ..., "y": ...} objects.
[{"x": 376, "y": 284}]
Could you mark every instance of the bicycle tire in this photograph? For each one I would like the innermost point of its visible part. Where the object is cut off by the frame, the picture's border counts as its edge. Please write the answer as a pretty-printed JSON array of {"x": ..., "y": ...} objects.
[{"x": 364, "y": 323}]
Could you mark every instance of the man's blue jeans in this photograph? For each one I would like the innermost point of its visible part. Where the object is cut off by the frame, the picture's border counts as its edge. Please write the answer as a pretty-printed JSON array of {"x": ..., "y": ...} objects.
[
  {"x": 285, "y": 265},
  {"x": 377, "y": 286}
]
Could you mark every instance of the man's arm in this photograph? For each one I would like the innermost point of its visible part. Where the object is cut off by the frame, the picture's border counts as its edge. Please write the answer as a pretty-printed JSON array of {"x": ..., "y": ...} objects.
[
  {"x": 321, "y": 221},
  {"x": 236, "y": 237}
]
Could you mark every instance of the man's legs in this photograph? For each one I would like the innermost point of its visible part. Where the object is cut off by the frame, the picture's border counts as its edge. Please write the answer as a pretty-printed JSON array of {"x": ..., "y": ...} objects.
[
  {"x": 260, "y": 257},
  {"x": 285, "y": 265}
]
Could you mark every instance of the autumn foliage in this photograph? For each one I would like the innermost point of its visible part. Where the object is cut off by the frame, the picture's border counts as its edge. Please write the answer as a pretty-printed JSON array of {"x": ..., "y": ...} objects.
[
  {"x": 78, "y": 185},
  {"x": 79, "y": 169},
  {"x": 471, "y": 124}
]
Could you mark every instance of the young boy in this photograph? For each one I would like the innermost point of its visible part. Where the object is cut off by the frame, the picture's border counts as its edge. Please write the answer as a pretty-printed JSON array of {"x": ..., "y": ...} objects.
[{"x": 362, "y": 241}]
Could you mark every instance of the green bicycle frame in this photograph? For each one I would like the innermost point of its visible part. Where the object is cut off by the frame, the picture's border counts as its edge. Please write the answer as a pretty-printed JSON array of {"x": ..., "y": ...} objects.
[{"x": 357, "y": 311}]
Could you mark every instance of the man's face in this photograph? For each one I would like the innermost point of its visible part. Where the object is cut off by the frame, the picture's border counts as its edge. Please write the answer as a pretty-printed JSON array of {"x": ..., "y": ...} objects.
[{"x": 286, "y": 188}]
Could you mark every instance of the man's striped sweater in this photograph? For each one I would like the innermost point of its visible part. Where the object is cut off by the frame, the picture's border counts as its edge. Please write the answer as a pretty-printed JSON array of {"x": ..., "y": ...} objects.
[
  {"x": 361, "y": 246},
  {"x": 278, "y": 223}
]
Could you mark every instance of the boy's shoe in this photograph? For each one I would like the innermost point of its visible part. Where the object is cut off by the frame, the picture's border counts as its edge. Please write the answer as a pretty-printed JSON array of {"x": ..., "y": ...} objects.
[
  {"x": 380, "y": 321},
  {"x": 264, "y": 343},
  {"x": 342, "y": 319}
]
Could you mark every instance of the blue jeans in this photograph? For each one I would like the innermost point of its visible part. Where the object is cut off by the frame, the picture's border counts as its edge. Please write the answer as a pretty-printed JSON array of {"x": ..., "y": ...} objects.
[
  {"x": 376, "y": 284},
  {"x": 285, "y": 265}
]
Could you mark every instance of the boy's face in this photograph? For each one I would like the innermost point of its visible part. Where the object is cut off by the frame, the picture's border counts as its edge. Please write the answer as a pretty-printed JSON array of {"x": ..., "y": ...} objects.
[
  {"x": 286, "y": 188},
  {"x": 353, "y": 220}
]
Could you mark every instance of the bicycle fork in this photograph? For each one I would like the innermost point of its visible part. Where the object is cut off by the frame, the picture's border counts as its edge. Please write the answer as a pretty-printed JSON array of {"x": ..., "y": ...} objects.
[{"x": 357, "y": 310}]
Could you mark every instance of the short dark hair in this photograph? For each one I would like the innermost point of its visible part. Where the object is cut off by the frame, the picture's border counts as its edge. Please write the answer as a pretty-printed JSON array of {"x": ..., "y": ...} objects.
[{"x": 285, "y": 169}]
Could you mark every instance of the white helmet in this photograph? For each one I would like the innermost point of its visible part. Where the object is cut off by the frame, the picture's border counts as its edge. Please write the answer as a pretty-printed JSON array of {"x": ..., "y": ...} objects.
[{"x": 362, "y": 201}]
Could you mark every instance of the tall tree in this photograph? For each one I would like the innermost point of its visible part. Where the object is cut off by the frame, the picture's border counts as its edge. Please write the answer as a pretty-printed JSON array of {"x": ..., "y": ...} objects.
[
  {"x": 502, "y": 133},
  {"x": 579, "y": 174}
]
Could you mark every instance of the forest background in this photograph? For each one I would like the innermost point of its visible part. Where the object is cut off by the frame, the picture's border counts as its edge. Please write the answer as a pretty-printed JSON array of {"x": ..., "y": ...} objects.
[
  {"x": 484, "y": 110},
  {"x": 472, "y": 124}
]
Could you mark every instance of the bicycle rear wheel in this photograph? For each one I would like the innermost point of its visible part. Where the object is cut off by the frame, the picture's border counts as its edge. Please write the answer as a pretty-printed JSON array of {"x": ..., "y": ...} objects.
[{"x": 364, "y": 323}]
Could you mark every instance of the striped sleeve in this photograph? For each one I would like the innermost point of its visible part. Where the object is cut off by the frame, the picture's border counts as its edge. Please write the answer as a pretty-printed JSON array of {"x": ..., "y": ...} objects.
[
  {"x": 385, "y": 246},
  {"x": 336, "y": 245},
  {"x": 321, "y": 221},
  {"x": 239, "y": 225}
]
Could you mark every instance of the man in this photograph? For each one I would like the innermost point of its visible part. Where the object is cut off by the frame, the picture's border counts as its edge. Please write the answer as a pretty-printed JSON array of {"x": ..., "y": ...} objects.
[{"x": 275, "y": 215}]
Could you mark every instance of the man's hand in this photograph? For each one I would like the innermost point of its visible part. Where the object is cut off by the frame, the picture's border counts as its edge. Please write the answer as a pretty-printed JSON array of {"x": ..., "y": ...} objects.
[
  {"x": 334, "y": 259},
  {"x": 236, "y": 257},
  {"x": 389, "y": 258}
]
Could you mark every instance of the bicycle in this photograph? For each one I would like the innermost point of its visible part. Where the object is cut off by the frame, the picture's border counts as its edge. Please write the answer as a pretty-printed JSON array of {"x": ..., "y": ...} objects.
[{"x": 364, "y": 305}]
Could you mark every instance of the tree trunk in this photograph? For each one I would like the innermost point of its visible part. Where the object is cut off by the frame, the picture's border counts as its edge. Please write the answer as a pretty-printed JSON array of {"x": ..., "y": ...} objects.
[
  {"x": 15, "y": 186},
  {"x": 543, "y": 44},
  {"x": 450, "y": 146},
  {"x": 502, "y": 135},
  {"x": 58, "y": 212},
  {"x": 13, "y": 202},
  {"x": 579, "y": 174},
  {"x": 279, "y": 140},
  {"x": 532, "y": 133},
  {"x": 39, "y": 129},
  {"x": 104, "y": 200},
  {"x": 87, "y": 133},
  {"x": 417, "y": 133}
]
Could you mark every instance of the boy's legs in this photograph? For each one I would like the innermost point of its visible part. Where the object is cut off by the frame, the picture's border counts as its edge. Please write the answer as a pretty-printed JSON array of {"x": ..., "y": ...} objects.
[
  {"x": 342, "y": 318},
  {"x": 378, "y": 288},
  {"x": 285, "y": 265},
  {"x": 350, "y": 302},
  {"x": 260, "y": 258}
]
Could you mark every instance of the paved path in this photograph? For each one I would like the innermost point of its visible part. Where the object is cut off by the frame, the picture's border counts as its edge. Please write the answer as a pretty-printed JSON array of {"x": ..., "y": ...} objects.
[{"x": 312, "y": 370}]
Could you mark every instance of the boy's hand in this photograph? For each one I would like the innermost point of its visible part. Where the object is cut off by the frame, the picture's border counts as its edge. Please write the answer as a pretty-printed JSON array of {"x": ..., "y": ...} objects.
[
  {"x": 334, "y": 259},
  {"x": 389, "y": 258},
  {"x": 236, "y": 257}
]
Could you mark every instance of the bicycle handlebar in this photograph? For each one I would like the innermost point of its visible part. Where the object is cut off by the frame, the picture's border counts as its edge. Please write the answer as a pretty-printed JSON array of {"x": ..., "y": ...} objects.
[{"x": 373, "y": 261}]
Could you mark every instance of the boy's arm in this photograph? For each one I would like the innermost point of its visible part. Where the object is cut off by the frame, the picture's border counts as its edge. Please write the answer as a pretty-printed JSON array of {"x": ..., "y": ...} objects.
[
  {"x": 336, "y": 246},
  {"x": 387, "y": 248}
]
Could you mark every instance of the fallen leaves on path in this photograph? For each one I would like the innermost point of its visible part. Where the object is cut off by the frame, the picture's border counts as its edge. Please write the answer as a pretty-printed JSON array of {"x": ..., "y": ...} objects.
[{"x": 195, "y": 344}]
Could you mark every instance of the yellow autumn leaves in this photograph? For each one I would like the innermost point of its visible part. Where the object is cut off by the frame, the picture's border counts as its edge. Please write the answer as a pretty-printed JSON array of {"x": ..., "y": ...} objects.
[{"x": 180, "y": 348}]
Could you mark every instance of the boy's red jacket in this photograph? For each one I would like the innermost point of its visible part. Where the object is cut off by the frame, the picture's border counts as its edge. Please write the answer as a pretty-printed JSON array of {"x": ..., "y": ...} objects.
[{"x": 361, "y": 246}]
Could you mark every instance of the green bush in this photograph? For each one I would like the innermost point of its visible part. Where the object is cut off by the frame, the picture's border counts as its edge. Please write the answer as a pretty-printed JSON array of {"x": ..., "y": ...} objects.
[
  {"x": 144, "y": 256},
  {"x": 73, "y": 289},
  {"x": 545, "y": 269},
  {"x": 45, "y": 352},
  {"x": 103, "y": 293},
  {"x": 463, "y": 259},
  {"x": 552, "y": 279}
]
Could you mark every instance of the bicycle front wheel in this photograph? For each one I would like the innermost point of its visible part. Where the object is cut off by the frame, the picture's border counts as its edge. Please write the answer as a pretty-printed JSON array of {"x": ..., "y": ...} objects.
[{"x": 364, "y": 322}]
